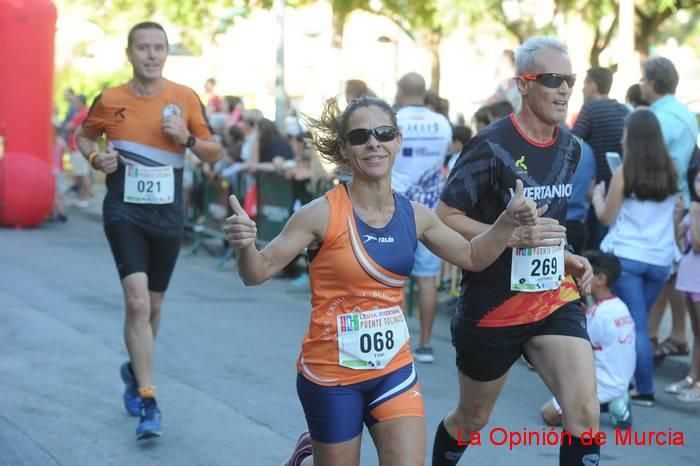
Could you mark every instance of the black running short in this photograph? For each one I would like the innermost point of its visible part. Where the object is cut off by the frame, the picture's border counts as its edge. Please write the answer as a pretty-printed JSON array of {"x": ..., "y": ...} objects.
[
  {"x": 486, "y": 353},
  {"x": 137, "y": 250}
]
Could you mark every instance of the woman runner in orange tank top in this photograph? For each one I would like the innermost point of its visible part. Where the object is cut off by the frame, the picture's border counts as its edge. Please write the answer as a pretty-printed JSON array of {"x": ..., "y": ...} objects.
[{"x": 357, "y": 342}]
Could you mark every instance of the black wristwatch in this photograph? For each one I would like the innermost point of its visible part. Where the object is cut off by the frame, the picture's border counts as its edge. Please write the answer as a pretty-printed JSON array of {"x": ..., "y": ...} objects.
[{"x": 191, "y": 141}]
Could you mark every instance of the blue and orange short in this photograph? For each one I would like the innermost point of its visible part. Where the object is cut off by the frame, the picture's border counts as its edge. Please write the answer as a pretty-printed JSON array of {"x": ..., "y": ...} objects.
[{"x": 336, "y": 414}]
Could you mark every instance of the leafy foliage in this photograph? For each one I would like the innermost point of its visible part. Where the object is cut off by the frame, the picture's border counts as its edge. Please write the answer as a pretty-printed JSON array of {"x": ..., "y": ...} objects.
[
  {"x": 425, "y": 21},
  {"x": 652, "y": 16}
]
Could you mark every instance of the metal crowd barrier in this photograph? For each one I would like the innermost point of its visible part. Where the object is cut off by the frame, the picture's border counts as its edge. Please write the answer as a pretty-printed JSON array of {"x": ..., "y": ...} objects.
[
  {"x": 276, "y": 197},
  {"x": 207, "y": 208}
]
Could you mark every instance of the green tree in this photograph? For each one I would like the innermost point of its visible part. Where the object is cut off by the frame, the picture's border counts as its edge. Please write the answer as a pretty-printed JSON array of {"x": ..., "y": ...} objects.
[
  {"x": 341, "y": 12},
  {"x": 115, "y": 17},
  {"x": 651, "y": 17},
  {"x": 597, "y": 14},
  {"x": 517, "y": 17},
  {"x": 421, "y": 21},
  {"x": 418, "y": 19},
  {"x": 601, "y": 16},
  {"x": 197, "y": 19},
  {"x": 652, "y": 21}
]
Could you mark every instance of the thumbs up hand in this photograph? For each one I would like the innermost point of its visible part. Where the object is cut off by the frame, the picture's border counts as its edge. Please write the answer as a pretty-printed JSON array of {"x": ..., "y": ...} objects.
[
  {"x": 240, "y": 230},
  {"x": 107, "y": 160},
  {"x": 521, "y": 210}
]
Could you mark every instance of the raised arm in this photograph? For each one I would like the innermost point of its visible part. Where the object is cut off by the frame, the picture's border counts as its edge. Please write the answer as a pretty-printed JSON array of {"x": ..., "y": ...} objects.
[
  {"x": 608, "y": 206},
  {"x": 89, "y": 132},
  {"x": 206, "y": 148},
  {"x": 86, "y": 144},
  {"x": 456, "y": 220},
  {"x": 544, "y": 232},
  {"x": 305, "y": 226},
  {"x": 488, "y": 245}
]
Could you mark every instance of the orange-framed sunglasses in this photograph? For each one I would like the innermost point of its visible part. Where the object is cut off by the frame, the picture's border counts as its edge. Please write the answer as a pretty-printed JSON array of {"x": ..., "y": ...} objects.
[{"x": 551, "y": 80}]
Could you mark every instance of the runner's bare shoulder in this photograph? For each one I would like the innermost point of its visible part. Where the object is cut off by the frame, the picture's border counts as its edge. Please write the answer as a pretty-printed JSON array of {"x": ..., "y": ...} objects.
[{"x": 314, "y": 216}]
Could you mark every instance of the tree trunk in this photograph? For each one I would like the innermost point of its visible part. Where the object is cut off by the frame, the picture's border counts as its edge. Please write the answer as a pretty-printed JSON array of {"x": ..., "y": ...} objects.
[
  {"x": 648, "y": 29},
  {"x": 339, "y": 18},
  {"x": 600, "y": 44},
  {"x": 434, "y": 42},
  {"x": 151, "y": 8},
  {"x": 594, "y": 57}
]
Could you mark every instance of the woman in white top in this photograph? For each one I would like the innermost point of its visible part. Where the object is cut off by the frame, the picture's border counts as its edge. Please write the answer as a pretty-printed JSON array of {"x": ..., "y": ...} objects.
[{"x": 639, "y": 205}]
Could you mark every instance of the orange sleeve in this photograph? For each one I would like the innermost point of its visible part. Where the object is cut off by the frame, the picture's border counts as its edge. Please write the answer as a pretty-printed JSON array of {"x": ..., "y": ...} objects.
[
  {"x": 94, "y": 124},
  {"x": 197, "y": 122}
]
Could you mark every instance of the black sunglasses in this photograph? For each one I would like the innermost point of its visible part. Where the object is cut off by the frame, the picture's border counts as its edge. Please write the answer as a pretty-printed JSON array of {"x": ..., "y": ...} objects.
[
  {"x": 551, "y": 80},
  {"x": 359, "y": 136}
]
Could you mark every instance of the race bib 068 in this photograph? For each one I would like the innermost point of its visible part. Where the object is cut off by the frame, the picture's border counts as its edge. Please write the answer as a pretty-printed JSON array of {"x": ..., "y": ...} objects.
[{"x": 370, "y": 339}]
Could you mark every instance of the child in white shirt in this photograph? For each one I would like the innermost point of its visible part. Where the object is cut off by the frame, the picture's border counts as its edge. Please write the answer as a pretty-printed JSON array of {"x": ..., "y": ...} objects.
[{"x": 611, "y": 330}]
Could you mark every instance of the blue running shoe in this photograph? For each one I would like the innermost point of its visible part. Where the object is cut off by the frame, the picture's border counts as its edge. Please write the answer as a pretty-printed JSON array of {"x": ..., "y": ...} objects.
[
  {"x": 132, "y": 399},
  {"x": 149, "y": 424}
]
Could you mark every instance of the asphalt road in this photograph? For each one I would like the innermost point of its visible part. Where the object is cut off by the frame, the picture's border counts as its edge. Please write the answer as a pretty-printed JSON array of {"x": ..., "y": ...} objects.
[{"x": 225, "y": 369}]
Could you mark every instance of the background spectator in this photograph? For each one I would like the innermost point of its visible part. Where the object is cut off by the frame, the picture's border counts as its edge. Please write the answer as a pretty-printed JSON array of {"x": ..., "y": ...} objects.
[
  {"x": 678, "y": 125},
  {"x": 437, "y": 104},
  {"x": 233, "y": 107},
  {"x": 79, "y": 164},
  {"x": 272, "y": 144},
  {"x": 680, "y": 132},
  {"x": 498, "y": 110},
  {"x": 214, "y": 102},
  {"x": 69, "y": 97},
  {"x": 355, "y": 88},
  {"x": 639, "y": 204},
  {"x": 634, "y": 98},
  {"x": 59, "y": 148},
  {"x": 688, "y": 282},
  {"x": 611, "y": 330},
  {"x": 417, "y": 174},
  {"x": 583, "y": 183},
  {"x": 460, "y": 137},
  {"x": 481, "y": 118},
  {"x": 507, "y": 90},
  {"x": 600, "y": 123}
]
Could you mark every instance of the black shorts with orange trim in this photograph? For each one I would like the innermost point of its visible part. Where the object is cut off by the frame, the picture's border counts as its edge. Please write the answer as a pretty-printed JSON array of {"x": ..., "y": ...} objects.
[{"x": 487, "y": 353}]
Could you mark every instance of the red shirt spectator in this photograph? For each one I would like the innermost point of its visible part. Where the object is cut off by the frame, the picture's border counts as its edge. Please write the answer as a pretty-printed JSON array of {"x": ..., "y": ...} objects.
[{"x": 75, "y": 122}]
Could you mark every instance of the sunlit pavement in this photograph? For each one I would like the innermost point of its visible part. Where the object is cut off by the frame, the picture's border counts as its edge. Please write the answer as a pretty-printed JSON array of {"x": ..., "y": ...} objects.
[{"x": 225, "y": 368}]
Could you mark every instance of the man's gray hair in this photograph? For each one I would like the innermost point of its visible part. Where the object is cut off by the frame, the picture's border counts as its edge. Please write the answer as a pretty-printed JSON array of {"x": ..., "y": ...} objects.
[
  {"x": 526, "y": 54},
  {"x": 662, "y": 74}
]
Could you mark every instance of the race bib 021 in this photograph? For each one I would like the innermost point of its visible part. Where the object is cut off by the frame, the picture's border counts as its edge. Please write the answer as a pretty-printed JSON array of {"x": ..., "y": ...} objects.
[{"x": 149, "y": 185}]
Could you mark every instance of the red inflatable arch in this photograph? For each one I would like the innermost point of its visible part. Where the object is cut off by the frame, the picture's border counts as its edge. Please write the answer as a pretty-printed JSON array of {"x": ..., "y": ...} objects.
[{"x": 27, "y": 30}]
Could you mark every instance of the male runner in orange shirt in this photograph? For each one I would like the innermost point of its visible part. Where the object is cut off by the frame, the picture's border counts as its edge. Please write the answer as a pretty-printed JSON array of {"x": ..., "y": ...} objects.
[{"x": 149, "y": 122}]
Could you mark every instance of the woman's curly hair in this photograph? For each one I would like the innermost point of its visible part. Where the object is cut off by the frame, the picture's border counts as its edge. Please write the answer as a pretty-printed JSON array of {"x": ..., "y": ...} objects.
[{"x": 328, "y": 131}]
